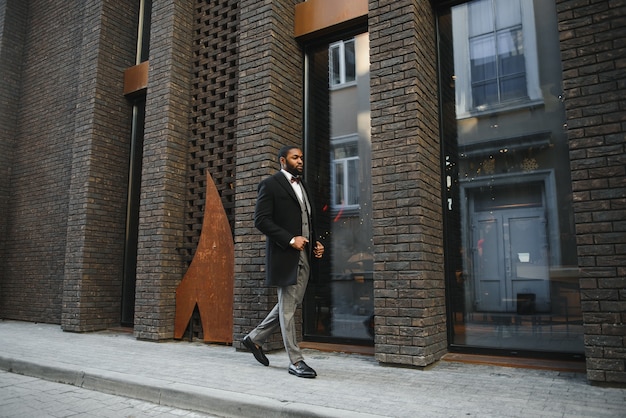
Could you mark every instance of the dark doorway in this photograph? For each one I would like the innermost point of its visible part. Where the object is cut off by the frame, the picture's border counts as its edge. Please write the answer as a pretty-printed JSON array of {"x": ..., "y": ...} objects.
[{"x": 132, "y": 213}]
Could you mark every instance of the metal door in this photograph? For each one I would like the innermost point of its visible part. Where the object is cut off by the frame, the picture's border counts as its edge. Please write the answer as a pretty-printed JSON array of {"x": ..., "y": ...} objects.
[{"x": 510, "y": 262}]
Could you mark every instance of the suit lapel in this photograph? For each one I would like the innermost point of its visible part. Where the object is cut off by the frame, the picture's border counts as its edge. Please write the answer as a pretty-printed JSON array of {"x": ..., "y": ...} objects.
[{"x": 284, "y": 183}]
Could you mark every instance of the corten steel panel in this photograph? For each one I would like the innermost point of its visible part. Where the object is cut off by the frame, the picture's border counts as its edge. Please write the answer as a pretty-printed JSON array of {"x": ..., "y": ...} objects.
[
  {"x": 209, "y": 280},
  {"x": 315, "y": 15},
  {"x": 136, "y": 78}
]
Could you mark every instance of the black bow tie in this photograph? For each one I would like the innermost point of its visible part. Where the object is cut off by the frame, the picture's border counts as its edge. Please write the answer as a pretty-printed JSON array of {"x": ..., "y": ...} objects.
[{"x": 295, "y": 179}]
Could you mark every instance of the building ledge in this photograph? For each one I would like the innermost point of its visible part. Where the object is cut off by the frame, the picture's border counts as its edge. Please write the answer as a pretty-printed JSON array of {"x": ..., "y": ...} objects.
[{"x": 516, "y": 362}]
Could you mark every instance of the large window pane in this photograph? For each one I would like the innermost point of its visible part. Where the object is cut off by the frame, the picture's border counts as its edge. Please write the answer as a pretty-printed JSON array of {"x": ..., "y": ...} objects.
[
  {"x": 350, "y": 61},
  {"x": 481, "y": 16},
  {"x": 494, "y": 31},
  {"x": 335, "y": 65},
  {"x": 510, "y": 248},
  {"x": 339, "y": 304},
  {"x": 483, "y": 55}
]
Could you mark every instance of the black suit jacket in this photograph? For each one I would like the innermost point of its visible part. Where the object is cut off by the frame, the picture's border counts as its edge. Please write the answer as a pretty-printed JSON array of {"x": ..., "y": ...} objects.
[{"x": 278, "y": 215}]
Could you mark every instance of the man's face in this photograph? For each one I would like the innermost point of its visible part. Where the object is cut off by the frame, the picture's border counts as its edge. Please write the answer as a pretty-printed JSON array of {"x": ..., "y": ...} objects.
[{"x": 293, "y": 162}]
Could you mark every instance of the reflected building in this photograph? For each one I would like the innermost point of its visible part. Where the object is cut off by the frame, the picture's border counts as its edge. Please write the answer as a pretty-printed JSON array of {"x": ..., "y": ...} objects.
[{"x": 508, "y": 179}]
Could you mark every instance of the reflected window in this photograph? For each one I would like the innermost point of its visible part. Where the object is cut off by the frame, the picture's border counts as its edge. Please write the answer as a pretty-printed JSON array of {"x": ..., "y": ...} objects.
[
  {"x": 497, "y": 40},
  {"x": 345, "y": 173},
  {"x": 496, "y": 52},
  {"x": 342, "y": 63}
]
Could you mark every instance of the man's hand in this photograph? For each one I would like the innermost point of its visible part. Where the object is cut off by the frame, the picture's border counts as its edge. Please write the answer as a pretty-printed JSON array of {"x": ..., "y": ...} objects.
[
  {"x": 299, "y": 243},
  {"x": 318, "y": 251}
]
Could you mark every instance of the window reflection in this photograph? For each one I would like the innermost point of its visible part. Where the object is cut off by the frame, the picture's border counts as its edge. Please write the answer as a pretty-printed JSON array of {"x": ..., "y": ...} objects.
[
  {"x": 509, "y": 237},
  {"x": 339, "y": 303},
  {"x": 345, "y": 174},
  {"x": 342, "y": 63},
  {"x": 495, "y": 55}
]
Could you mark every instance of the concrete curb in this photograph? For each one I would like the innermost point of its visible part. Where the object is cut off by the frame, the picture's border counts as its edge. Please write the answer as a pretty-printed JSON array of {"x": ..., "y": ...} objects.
[{"x": 177, "y": 395}]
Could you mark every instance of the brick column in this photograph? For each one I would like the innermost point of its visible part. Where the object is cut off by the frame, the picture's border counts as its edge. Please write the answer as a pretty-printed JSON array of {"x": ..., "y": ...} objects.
[
  {"x": 269, "y": 116},
  {"x": 408, "y": 277},
  {"x": 592, "y": 50},
  {"x": 13, "y": 18},
  {"x": 99, "y": 161},
  {"x": 160, "y": 266}
]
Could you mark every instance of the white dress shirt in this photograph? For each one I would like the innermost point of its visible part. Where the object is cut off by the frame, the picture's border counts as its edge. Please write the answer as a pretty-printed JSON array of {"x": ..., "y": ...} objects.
[{"x": 295, "y": 185}]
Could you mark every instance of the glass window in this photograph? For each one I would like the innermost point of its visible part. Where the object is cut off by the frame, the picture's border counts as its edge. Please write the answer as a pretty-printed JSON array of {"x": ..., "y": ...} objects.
[
  {"x": 496, "y": 52},
  {"x": 510, "y": 248},
  {"x": 342, "y": 64},
  {"x": 339, "y": 304},
  {"x": 497, "y": 39},
  {"x": 345, "y": 173}
]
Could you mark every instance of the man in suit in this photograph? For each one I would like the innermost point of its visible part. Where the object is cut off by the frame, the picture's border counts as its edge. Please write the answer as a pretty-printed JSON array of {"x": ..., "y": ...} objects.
[{"x": 284, "y": 214}]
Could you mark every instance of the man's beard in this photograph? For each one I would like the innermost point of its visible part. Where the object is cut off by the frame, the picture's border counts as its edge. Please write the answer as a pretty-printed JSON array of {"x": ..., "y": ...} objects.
[{"x": 294, "y": 171}]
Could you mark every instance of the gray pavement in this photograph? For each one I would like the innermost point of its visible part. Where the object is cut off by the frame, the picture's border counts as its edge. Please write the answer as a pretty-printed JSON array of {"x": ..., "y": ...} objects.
[
  {"x": 218, "y": 380},
  {"x": 23, "y": 396}
]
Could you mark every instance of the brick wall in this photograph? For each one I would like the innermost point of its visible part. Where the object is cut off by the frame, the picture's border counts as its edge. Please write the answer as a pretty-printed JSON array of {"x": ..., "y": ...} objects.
[
  {"x": 66, "y": 208},
  {"x": 13, "y": 15},
  {"x": 160, "y": 264},
  {"x": 594, "y": 76},
  {"x": 408, "y": 277},
  {"x": 99, "y": 160},
  {"x": 40, "y": 175},
  {"x": 214, "y": 111},
  {"x": 269, "y": 115},
  {"x": 212, "y": 144}
]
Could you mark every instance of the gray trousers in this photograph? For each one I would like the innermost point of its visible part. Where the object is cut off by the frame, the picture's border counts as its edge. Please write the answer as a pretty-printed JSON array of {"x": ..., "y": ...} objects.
[{"x": 282, "y": 315}]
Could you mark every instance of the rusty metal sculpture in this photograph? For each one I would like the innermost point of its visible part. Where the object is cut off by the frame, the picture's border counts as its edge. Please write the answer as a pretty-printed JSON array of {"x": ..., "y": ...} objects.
[{"x": 208, "y": 283}]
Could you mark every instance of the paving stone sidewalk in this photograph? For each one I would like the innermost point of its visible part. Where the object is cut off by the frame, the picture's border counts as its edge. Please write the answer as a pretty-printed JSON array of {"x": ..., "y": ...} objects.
[
  {"x": 24, "y": 396},
  {"x": 219, "y": 380}
]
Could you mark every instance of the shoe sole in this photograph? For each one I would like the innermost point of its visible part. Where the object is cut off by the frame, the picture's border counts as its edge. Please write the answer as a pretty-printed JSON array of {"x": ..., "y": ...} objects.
[{"x": 306, "y": 376}]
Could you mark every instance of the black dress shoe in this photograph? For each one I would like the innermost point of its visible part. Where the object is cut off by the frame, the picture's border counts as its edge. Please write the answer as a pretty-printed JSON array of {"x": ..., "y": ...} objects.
[
  {"x": 256, "y": 350},
  {"x": 301, "y": 369}
]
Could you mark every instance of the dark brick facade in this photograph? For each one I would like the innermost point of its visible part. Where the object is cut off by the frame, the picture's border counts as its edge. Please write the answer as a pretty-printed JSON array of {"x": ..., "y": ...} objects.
[
  {"x": 37, "y": 212},
  {"x": 160, "y": 264},
  {"x": 214, "y": 109},
  {"x": 409, "y": 288},
  {"x": 225, "y": 91},
  {"x": 99, "y": 153},
  {"x": 62, "y": 243},
  {"x": 13, "y": 15},
  {"x": 594, "y": 71}
]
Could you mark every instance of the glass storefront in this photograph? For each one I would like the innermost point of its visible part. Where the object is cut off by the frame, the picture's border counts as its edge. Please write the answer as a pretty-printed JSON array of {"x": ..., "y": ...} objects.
[
  {"x": 339, "y": 304},
  {"x": 511, "y": 264},
  {"x": 510, "y": 251}
]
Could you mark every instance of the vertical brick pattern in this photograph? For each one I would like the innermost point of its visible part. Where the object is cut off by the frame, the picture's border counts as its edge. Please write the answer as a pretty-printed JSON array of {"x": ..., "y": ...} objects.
[
  {"x": 99, "y": 160},
  {"x": 160, "y": 265},
  {"x": 594, "y": 76},
  {"x": 13, "y": 17},
  {"x": 214, "y": 111},
  {"x": 408, "y": 277},
  {"x": 66, "y": 211},
  {"x": 269, "y": 115},
  {"x": 33, "y": 261}
]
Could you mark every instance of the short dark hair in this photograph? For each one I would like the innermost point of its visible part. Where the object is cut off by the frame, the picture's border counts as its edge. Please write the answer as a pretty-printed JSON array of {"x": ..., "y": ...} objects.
[{"x": 282, "y": 153}]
